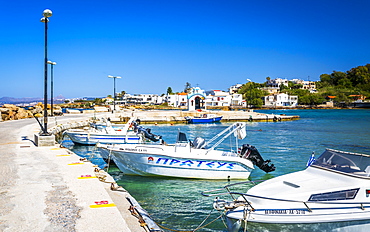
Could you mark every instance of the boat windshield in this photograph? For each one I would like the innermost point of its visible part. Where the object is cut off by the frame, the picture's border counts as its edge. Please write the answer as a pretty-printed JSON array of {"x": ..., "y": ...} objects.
[{"x": 357, "y": 164}]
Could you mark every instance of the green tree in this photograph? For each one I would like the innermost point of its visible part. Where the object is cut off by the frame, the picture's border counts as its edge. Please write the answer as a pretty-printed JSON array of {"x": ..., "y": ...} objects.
[
  {"x": 169, "y": 91},
  {"x": 252, "y": 94},
  {"x": 121, "y": 94},
  {"x": 98, "y": 101},
  {"x": 325, "y": 80},
  {"x": 187, "y": 87},
  {"x": 360, "y": 75},
  {"x": 310, "y": 99},
  {"x": 337, "y": 76},
  {"x": 344, "y": 83}
]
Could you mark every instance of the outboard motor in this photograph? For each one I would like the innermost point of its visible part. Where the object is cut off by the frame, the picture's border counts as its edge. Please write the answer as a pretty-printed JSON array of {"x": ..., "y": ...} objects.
[
  {"x": 199, "y": 143},
  {"x": 147, "y": 134},
  {"x": 251, "y": 153}
]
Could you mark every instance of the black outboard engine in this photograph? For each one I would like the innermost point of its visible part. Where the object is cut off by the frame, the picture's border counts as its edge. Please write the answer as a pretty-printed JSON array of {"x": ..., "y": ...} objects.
[
  {"x": 147, "y": 132},
  {"x": 251, "y": 153}
]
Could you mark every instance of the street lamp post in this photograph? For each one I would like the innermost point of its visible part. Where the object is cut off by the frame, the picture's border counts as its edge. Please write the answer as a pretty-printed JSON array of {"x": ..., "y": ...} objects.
[
  {"x": 114, "y": 90},
  {"x": 47, "y": 13},
  {"x": 51, "y": 85},
  {"x": 250, "y": 93}
]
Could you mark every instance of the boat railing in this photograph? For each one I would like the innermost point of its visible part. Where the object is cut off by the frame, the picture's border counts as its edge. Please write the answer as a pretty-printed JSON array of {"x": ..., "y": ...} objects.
[
  {"x": 209, "y": 193},
  {"x": 229, "y": 130}
]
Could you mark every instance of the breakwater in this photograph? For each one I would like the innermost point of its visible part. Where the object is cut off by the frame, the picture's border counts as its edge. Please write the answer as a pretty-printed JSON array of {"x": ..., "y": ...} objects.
[{"x": 178, "y": 116}]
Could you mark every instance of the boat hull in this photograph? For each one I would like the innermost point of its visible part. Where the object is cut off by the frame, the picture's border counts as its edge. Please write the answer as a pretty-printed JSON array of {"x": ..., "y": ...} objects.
[
  {"x": 346, "y": 226},
  {"x": 204, "y": 120},
  {"x": 298, "y": 213},
  {"x": 152, "y": 161},
  {"x": 93, "y": 139},
  {"x": 334, "y": 190}
]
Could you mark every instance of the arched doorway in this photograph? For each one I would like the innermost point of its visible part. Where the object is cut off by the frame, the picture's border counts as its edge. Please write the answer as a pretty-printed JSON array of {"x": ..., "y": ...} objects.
[{"x": 198, "y": 101}]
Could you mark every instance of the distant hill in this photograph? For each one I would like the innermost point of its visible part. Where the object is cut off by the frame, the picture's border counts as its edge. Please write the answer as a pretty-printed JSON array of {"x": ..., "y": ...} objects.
[{"x": 26, "y": 100}]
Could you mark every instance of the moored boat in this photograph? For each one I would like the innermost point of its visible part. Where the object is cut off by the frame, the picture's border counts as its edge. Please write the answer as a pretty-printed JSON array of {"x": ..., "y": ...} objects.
[
  {"x": 204, "y": 118},
  {"x": 129, "y": 133},
  {"x": 330, "y": 194},
  {"x": 186, "y": 159}
]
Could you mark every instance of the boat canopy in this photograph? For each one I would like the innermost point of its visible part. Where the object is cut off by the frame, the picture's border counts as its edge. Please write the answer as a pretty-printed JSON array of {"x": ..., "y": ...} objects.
[{"x": 353, "y": 163}]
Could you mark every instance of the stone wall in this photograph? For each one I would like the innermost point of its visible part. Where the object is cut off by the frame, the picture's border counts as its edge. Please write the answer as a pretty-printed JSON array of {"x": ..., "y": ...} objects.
[{"x": 12, "y": 112}]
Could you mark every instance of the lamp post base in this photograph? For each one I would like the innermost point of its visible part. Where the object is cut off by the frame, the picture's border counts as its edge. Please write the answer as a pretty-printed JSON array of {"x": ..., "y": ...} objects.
[{"x": 44, "y": 140}]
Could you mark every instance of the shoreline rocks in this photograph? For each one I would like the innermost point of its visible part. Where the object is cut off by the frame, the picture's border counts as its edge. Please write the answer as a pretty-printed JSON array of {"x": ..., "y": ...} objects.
[{"x": 13, "y": 112}]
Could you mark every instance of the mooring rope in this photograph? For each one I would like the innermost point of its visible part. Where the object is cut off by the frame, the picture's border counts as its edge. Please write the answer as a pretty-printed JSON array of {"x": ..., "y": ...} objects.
[{"x": 205, "y": 219}]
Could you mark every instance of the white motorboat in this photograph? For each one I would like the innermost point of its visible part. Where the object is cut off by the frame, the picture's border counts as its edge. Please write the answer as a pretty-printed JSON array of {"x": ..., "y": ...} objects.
[
  {"x": 129, "y": 133},
  {"x": 332, "y": 194},
  {"x": 187, "y": 159}
]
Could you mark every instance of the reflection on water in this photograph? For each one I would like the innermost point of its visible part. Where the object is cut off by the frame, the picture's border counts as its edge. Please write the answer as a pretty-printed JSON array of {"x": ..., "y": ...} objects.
[{"x": 177, "y": 203}]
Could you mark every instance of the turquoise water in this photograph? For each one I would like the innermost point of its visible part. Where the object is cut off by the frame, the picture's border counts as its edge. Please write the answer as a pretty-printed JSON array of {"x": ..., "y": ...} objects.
[{"x": 178, "y": 204}]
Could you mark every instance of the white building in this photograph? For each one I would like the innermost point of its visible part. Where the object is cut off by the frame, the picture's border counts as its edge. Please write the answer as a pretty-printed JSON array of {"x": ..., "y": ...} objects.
[
  {"x": 218, "y": 98},
  {"x": 309, "y": 85},
  {"x": 277, "y": 82},
  {"x": 141, "y": 99},
  {"x": 281, "y": 99},
  {"x": 235, "y": 88},
  {"x": 177, "y": 100},
  {"x": 199, "y": 99},
  {"x": 237, "y": 100},
  {"x": 196, "y": 98}
]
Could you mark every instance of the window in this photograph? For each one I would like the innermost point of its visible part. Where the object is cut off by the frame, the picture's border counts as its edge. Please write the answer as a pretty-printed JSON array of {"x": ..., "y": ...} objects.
[
  {"x": 335, "y": 196},
  {"x": 345, "y": 162}
]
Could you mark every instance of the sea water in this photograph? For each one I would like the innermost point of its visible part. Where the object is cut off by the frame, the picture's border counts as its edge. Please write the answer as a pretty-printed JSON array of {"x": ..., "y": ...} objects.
[{"x": 177, "y": 204}]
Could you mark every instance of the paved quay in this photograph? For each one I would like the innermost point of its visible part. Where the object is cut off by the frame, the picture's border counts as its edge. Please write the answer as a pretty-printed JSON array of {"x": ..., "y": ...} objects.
[{"x": 51, "y": 189}]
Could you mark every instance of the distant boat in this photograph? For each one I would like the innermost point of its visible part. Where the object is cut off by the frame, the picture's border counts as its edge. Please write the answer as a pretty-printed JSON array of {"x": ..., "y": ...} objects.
[
  {"x": 203, "y": 118},
  {"x": 73, "y": 111},
  {"x": 186, "y": 159}
]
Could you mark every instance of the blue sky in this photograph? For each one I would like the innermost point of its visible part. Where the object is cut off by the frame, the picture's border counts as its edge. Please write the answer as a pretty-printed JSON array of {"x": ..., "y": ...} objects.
[{"x": 158, "y": 44}]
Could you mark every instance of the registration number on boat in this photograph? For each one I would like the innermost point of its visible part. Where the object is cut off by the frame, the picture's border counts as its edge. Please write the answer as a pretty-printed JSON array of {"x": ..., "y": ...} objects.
[{"x": 284, "y": 211}]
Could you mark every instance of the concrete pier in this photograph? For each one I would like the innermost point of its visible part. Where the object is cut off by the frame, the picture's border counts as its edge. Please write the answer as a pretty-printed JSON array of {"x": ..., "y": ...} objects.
[{"x": 50, "y": 189}]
